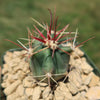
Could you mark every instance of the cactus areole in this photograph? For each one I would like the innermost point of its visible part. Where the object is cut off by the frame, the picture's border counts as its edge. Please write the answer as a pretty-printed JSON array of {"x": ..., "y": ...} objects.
[{"x": 49, "y": 52}]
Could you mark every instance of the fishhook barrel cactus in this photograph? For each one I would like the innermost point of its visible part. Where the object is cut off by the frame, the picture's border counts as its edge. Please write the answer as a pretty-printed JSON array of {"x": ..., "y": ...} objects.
[{"x": 49, "y": 52}]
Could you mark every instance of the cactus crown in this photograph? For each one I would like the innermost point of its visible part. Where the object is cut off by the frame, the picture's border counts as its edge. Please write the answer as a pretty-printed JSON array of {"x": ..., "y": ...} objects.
[{"x": 52, "y": 39}]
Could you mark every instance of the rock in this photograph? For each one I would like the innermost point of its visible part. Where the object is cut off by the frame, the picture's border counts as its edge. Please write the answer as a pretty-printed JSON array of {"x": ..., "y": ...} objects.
[
  {"x": 12, "y": 87},
  {"x": 42, "y": 84},
  {"x": 5, "y": 84},
  {"x": 11, "y": 78},
  {"x": 28, "y": 91},
  {"x": 78, "y": 97},
  {"x": 46, "y": 92},
  {"x": 83, "y": 88},
  {"x": 87, "y": 78},
  {"x": 9, "y": 54},
  {"x": 77, "y": 53},
  {"x": 62, "y": 92},
  {"x": 7, "y": 58},
  {"x": 5, "y": 77},
  {"x": 22, "y": 66},
  {"x": 17, "y": 69},
  {"x": 36, "y": 93},
  {"x": 19, "y": 75},
  {"x": 16, "y": 54},
  {"x": 72, "y": 88},
  {"x": 76, "y": 64},
  {"x": 93, "y": 93},
  {"x": 86, "y": 67},
  {"x": 83, "y": 93},
  {"x": 42, "y": 88},
  {"x": 26, "y": 68},
  {"x": 29, "y": 82},
  {"x": 19, "y": 98},
  {"x": 23, "y": 98},
  {"x": 83, "y": 59},
  {"x": 20, "y": 90},
  {"x": 98, "y": 84},
  {"x": 74, "y": 77},
  {"x": 50, "y": 97},
  {"x": 82, "y": 64},
  {"x": 94, "y": 80},
  {"x": 5, "y": 69},
  {"x": 12, "y": 96},
  {"x": 14, "y": 62}
]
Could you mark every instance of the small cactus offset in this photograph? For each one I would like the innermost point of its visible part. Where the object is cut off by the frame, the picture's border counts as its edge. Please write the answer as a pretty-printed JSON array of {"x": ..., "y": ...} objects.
[{"x": 49, "y": 52}]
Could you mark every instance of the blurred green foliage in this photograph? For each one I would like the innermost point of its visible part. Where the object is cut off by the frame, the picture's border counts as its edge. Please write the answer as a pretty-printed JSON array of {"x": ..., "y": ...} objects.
[{"x": 82, "y": 14}]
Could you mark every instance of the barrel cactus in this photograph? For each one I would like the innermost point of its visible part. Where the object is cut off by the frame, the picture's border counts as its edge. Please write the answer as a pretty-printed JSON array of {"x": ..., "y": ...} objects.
[{"x": 49, "y": 52}]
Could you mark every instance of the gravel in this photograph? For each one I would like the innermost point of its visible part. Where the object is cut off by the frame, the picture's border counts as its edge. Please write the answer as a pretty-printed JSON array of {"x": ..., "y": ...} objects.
[{"x": 19, "y": 84}]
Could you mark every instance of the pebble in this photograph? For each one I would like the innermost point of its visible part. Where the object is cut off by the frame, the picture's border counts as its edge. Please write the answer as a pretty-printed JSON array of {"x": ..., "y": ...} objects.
[
  {"x": 28, "y": 91},
  {"x": 74, "y": 77},
  {"x": 46, "y": 92},
  {"x": 12, "y": 87},
  {"x": 5, "y": 69},
  {"x": 29, "y": 82},
  {"x": 36, "y": 93},
  {"x": 86, "y": 68},
  {"x": 77, "y": 53},
  {"x": 12, "y": 96},
  {"x": 94, "y": 80},
  {"x": 87, "y": 79},
  {"x": 62, "y": 92},
  {"x": 72, "y": 88},
  {"x": 42, "y": 84},
  {"x": 83, "y": 88},
  {"x": 93, "y": 93},
  {"x": 20, "y": 90}
]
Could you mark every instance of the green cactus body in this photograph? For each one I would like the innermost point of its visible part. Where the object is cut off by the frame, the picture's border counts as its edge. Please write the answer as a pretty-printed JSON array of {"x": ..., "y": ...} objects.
[{"x": 43, "y": 62}]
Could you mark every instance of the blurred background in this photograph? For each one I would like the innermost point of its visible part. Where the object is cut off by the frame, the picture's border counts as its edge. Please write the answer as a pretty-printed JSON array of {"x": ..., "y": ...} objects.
[{"x": 82, "y": 14}]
